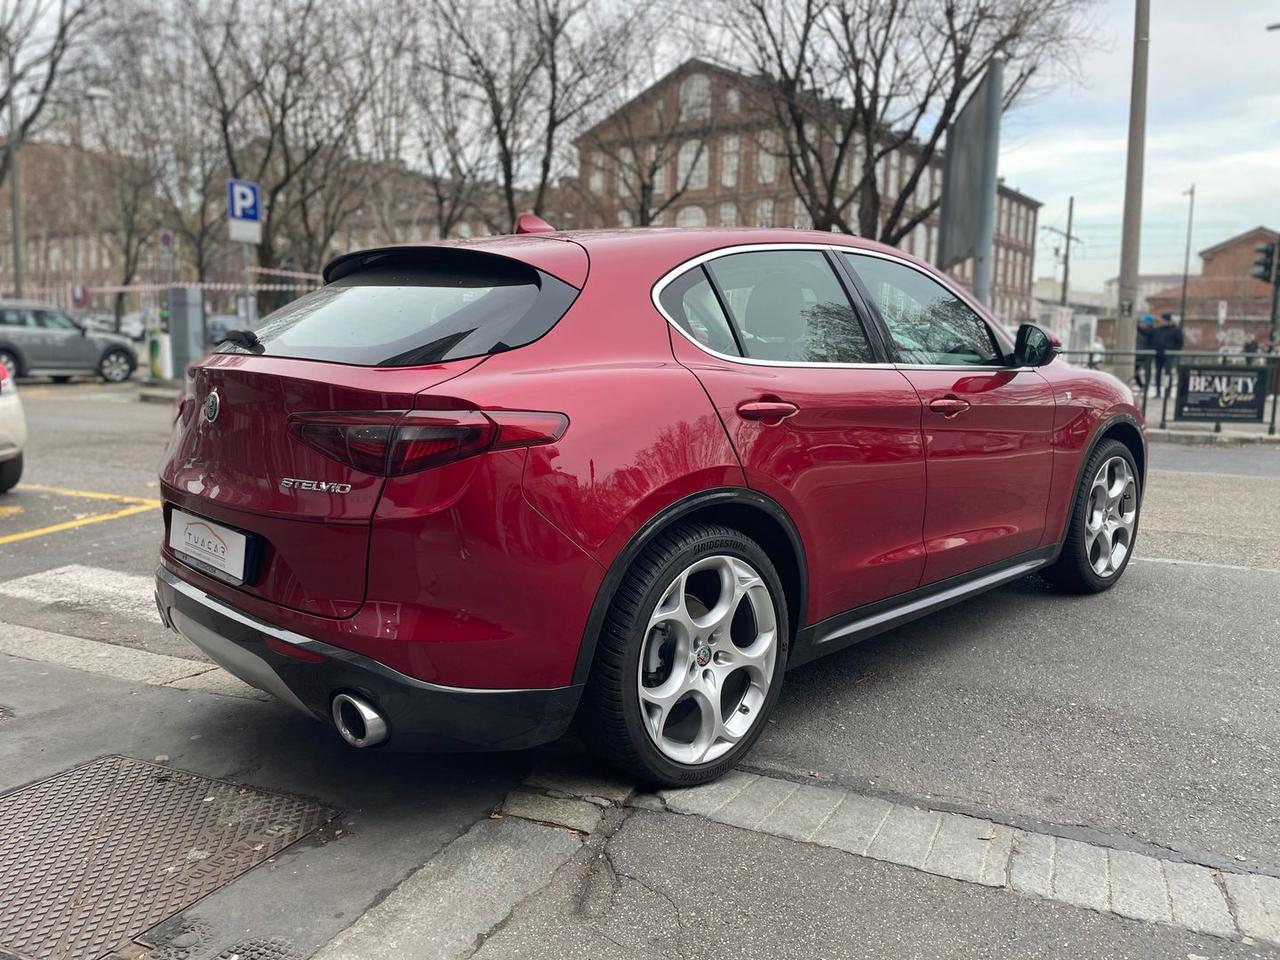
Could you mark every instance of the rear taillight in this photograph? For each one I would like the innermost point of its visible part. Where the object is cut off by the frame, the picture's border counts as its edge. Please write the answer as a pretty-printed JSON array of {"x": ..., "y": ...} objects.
[{"x": 395, "y": 442}]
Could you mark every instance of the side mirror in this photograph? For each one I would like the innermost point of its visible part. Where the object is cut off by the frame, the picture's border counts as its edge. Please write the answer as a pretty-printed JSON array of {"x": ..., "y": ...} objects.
[{"x": 1035, "y": 346}]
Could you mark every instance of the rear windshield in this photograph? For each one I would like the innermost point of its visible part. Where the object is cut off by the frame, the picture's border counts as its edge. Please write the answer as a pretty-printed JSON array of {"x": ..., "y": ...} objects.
[{"x": 402, "y": 315}]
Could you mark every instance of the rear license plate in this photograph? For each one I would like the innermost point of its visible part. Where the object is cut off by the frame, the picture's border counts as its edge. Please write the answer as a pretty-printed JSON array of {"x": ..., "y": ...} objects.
[{"x": 209, "y": 546}]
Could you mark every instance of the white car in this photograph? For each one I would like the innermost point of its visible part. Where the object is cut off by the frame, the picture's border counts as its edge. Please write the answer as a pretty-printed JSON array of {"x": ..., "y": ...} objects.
[{"x": 13, "y": 432}]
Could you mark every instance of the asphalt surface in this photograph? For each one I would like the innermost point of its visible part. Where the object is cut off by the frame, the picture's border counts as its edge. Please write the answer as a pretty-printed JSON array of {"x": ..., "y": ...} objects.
[{"x": 1145, "y": 718}]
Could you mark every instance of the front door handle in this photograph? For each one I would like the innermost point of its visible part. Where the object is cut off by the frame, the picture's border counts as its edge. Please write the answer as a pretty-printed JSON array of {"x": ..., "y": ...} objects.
[
  {"x": 949, "y": 406},
  {"x": 767, "y": 410}
]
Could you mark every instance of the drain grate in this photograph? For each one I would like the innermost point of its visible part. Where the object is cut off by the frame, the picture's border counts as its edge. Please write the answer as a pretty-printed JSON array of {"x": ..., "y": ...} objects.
[
  {"x": 95, "y": 856},
  {"x": 6, "y": 713},
  {"x": 262, "y": 948}
]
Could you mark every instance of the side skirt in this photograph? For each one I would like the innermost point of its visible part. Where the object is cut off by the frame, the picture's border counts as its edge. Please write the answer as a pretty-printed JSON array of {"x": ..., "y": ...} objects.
[{"x": 853, "y": 626}]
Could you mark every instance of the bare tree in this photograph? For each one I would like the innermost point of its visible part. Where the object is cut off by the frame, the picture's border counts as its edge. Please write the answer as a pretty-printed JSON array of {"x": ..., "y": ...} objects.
[
  {"x": 285, "y": 82},
  {"x": 652, "y": 147},
  {"x": 854, "y": 84},
  {"x": 538, "y": 66},
  {"x": 44, "y": 38}
]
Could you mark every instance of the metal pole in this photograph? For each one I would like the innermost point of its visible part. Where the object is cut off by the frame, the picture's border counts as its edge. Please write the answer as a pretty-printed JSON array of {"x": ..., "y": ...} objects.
[
  {"x": 1275, "y": 299},
  {"x": 15, "y": 195},
  {"x": 1186, "y": 262},
  {"x": 1131, "y": 235},
  {"x": 250, "y": 314},
  {"x": 1066, "y": 257},
  {"x": 984, "y": 256}
]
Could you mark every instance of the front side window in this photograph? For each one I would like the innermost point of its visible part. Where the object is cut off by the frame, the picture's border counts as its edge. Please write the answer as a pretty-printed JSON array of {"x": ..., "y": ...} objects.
[
  {"x": 692, "y": 304},
  {"x": 927, "y": 323},
  {"x": 788, "y": 305},
  {"x": 53, "y": 321}
]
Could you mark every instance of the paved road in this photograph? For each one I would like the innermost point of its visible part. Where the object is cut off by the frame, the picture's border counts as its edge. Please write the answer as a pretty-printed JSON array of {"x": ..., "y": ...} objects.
[{"x": 1142, "y": 720}]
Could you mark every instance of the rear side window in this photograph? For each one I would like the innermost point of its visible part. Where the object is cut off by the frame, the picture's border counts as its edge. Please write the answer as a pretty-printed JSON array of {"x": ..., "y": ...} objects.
[
  {"x": 788, "y": 305},
  {"x": 401, "y": 313},
  {"x": 693, "y": 305}
]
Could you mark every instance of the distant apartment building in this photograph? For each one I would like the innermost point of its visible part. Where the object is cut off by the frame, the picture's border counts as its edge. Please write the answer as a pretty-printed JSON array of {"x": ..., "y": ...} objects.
[
  {"x": 1148, "y": 283},
  {"x": 703, "y": 157}
]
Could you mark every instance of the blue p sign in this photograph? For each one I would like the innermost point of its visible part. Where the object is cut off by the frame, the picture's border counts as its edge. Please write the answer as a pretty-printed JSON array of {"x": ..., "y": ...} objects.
[{"x": 242, "y": 200}]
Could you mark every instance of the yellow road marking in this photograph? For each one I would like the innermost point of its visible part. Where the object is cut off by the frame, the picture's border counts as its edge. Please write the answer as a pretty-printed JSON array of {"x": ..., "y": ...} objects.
[
  {"x": 82, "y": 522},
  {"x": 89, "y": 494},
  {"x": 9, "y": 512},
  {"x": 134, "y": 505}
]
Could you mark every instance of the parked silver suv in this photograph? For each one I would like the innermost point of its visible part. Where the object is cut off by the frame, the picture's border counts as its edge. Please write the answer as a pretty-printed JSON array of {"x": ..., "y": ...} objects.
[{"x": 37, "y": 339}]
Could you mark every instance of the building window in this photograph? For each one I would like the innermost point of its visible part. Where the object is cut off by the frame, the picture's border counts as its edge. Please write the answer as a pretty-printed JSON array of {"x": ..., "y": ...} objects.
[
  {"x": 764, "y": 213},
  {"x": 595, "y": 179},
  {"x": 732, "y": 100},
  {"x": 728, "y": 215},
  {"x": 695, "y": 97},
  {"x": 692, "y": 216},
  {"x": 659, "y": 174},
  {"x": 802, "y": 220},
  {"x": 624, "y": 218},
  {"x": 691, "y": 166},
  {"x": 626, "y": 171},
  {"x": 729, "y": 162},
  {"x": 767, "y": 161}
]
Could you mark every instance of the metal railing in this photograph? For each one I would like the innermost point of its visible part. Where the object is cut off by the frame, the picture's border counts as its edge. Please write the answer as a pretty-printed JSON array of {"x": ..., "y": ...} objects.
[{"x": 1150, "y": 373}]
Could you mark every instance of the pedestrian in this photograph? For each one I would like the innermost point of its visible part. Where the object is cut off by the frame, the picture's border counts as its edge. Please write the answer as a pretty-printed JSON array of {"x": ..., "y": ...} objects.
[
  {"x": 1166, "y": 337},
  {"x": 1142, "y": 361},
  {"x": 1251, "y": 350}
]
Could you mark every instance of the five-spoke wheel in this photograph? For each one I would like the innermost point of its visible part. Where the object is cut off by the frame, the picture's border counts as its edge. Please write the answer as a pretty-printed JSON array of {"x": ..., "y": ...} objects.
[
  {"x": 708, "y": 659},
  {"x": 690, "y": 660},
  {"x": 1104, "y": 522}
]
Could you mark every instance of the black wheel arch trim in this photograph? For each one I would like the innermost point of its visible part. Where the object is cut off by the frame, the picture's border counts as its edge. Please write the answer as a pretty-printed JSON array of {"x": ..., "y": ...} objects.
[
  {"x": 1098, "y": 434},
  {"x": 719, "y": 496}
]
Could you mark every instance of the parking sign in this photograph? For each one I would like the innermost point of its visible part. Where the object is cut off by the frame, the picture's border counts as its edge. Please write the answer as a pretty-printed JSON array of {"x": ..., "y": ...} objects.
[{"x": 244, "y": 211}]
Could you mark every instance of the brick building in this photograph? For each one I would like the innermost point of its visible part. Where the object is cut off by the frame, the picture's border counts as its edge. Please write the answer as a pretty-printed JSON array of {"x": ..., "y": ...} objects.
[
  {"x": 1224, "y": 289},
  {"x": 691, "y": 151}
]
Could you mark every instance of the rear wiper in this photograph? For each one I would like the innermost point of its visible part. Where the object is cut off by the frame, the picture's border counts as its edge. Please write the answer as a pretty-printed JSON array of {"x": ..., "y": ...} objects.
[{"x": 243, "y": 338}]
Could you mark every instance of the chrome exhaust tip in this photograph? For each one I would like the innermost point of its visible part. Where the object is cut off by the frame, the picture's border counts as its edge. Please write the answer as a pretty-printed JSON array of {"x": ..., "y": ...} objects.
[{"x": 358, "y": 721}]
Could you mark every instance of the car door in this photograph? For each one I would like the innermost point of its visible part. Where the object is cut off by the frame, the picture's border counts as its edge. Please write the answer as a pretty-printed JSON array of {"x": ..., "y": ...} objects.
[
  {"x": 64, "y": 346},
  {"x": 988, "y": 426},
  {"x": 822, "y": 423}
]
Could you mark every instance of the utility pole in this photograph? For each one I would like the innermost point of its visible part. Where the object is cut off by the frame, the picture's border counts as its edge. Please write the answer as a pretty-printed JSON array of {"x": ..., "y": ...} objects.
[
  {"x": 1070, "y": 238},
  {"x": 1131, "y": 236},
  {"x": 15, "y": 195},
  {"x": 1186, "y": 262}
]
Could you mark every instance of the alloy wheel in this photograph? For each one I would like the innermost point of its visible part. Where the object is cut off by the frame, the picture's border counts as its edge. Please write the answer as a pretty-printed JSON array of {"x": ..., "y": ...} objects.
[
  {"x": 115, "y": 367},
  {"x": 1110, "y": 517},
  {"x": 708, "y": 659}
]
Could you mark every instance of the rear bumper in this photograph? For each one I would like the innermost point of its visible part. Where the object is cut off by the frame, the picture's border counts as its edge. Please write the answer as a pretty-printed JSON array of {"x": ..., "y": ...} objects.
[{"x": 306, "y": 674}]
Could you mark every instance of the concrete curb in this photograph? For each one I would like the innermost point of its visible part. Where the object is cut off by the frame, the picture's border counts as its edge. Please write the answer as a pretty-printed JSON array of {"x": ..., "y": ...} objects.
[
  {"x": 1169, "y": 892},
  {"x": 1228, "y": 438},
  {"x": 122, "y": 663}
]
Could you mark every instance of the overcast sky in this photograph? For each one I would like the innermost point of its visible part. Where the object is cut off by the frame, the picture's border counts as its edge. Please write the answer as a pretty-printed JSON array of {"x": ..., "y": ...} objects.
[{"x": 1213, "y": 119}]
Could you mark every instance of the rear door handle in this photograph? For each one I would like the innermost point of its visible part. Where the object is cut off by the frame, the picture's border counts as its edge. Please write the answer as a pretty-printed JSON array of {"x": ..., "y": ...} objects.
[
  {"x": 777, "y": 410},
  {"x": 949, "y": 406}
]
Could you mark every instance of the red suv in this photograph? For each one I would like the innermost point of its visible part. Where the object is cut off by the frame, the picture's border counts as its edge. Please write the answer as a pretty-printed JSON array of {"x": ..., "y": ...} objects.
[{"x": 466, "y": 492}]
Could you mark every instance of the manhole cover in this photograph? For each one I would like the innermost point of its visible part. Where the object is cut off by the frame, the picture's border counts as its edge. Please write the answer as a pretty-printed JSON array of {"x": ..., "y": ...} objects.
[{"x": 93, "y": 857}]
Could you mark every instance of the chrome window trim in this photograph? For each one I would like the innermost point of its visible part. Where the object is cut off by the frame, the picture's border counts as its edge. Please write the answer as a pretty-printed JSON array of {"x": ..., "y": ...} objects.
[{"x": 682, "y": 268}]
